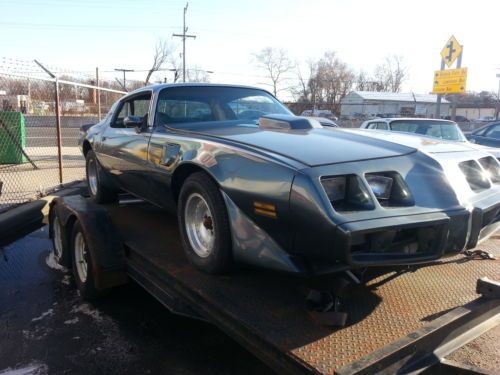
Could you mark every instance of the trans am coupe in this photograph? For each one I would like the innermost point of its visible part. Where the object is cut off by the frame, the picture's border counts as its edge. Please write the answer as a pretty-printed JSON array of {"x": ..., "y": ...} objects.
[{"x": 252, "y": 183}]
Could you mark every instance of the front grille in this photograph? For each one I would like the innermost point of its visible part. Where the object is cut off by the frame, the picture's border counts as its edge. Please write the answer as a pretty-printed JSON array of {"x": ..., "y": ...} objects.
[{"x": 474, "y": 175}]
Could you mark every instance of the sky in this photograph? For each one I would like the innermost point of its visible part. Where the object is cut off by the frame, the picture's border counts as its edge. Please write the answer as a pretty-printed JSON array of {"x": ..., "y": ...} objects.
[{"x": 80, "y": 35}]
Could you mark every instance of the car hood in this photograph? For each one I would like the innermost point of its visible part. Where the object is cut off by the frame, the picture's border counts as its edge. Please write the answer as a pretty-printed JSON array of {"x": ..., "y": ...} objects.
[{"x": 311, "y": 147}]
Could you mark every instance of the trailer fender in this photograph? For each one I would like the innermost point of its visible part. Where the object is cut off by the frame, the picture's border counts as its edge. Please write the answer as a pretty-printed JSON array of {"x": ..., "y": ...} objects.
[{"x": 103, "y": 241}]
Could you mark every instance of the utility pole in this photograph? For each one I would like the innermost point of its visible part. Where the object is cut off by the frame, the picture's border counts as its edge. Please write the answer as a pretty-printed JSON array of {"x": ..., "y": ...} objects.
[
  {"x": 184, "y": 36},
  {"x": 124, "y": 72}
]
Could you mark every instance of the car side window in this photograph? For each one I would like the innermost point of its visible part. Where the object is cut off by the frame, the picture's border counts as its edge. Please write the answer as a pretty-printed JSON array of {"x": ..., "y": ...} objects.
[
  {"x": 382, "y": 126},
  {"x": 372, "y": 125},
  {"x": 182, "y": 111},
  {"x": 493, "y": 132},
  {"x": 135, "y": 106}
]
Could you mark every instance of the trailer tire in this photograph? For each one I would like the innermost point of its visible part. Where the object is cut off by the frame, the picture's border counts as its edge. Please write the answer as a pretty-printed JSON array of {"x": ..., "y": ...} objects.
[
  {"x": 60, "y": 242},
  {"x": 204, "y": 224},
  {"x": 83, "y": 266},
  {"x": 99, "y": 190}
]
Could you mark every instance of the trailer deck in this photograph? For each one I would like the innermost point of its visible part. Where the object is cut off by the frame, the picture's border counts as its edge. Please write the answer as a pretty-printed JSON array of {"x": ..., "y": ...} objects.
[{"x": 266, "y": 311}]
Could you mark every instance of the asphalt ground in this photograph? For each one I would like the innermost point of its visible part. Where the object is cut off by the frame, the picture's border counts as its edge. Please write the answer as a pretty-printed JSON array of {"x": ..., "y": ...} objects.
[{"x": 46, "y": 328}]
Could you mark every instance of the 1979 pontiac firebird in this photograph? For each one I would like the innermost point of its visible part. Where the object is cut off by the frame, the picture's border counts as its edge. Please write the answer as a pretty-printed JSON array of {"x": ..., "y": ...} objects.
[{"x": 252, "y": 183}]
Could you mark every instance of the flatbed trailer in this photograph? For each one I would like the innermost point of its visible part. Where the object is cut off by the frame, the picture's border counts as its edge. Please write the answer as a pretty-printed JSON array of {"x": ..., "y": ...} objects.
[{"x": 404, "y": 319}]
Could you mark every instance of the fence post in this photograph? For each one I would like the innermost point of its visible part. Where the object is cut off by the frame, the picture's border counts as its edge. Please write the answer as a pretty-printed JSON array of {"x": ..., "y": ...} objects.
[
  {"x": 58, "y": 131},
  {"x": 98, "y": 94}
]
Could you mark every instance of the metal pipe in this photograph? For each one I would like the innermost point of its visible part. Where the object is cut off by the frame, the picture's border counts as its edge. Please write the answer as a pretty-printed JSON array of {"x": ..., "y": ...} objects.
[
  {"x": 98, "y": 92},
  {"x": 58, "y": 131}
]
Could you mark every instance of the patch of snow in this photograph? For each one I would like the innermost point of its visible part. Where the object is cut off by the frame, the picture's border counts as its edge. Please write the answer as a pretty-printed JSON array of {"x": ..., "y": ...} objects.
[
  {"x": 51, "y": 261},
  {"x": 71, "y": 321},
  {"x": 31, "y": 369},
  {"x": 86, "y": 309},
  {"x": 44, "y": 314}
]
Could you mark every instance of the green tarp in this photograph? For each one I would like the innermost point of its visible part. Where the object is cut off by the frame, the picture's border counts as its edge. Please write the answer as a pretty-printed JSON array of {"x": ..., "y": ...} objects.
[{"x": 12, "y": 138}]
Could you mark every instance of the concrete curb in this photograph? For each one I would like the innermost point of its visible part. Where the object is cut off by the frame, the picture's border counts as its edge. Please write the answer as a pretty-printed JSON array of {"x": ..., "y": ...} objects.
[{"x": 27, "y": 217}]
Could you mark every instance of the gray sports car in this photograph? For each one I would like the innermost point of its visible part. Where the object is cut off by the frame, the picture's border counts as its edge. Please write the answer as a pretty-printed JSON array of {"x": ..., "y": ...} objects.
[{"x": 252, "y": 183}]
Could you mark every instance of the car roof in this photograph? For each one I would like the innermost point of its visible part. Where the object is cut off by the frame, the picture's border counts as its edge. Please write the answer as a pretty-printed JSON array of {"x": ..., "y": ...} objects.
[
  {"x": 161, "y": 86},
  {"x": 389, "y": 119}
]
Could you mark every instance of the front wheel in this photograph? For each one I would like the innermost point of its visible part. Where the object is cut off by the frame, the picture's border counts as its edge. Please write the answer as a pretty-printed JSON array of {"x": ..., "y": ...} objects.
[{"x": 204, "y": 224}]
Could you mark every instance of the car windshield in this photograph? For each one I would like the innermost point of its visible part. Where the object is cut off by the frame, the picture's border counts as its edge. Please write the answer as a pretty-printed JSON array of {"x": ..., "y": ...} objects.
[
  {"x": 199, "y": 104},
  {"x": 446, "y": 130}
]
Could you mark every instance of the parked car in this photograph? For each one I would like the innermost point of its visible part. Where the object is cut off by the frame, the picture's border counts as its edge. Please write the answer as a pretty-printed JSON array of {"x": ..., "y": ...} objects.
[
  {"x": 488, "y": 135},
  {"x": 486, "y": 119},
  {"x": 325, "y": 122},
  {"x": 458, "y": 118},
  {"x": 324, "y": 113},
  {"x": 264, "y": 187},
  {"x": 442, "y": 129}
]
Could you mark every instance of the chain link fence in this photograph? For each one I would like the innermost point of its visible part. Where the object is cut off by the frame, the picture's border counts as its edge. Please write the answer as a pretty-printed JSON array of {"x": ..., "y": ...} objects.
[{"x": 38, "y": 144}]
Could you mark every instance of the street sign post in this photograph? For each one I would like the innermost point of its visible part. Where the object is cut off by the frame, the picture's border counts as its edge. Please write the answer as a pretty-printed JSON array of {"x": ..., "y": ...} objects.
[{"x": 451, "y": 81}]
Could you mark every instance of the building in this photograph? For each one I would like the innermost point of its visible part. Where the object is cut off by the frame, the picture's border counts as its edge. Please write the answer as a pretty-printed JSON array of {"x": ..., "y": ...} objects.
[{"x": 372, "y": 103}]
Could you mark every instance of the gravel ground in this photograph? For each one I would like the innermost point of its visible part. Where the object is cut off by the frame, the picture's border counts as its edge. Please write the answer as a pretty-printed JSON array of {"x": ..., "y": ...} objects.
[
  {"x": 46, "y": 328},
  {"x": 483, "y": 352}
]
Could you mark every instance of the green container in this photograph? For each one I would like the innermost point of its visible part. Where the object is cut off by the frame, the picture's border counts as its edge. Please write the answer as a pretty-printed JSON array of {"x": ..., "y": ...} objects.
[{"x": 12, "y": 138}]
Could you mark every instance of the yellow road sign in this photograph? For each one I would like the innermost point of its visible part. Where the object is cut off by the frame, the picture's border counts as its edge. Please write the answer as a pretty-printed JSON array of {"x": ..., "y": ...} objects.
[
  {"x": 451, "y": 81},
  {"x": 452, "y": 49}
]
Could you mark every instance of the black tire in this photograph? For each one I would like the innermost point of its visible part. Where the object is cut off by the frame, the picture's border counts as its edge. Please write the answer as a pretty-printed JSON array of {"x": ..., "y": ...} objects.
[
  {"x": 60, "y": 243},
  {"x": 86, "y": 286},
  {"x": 103, "y": 191},
  {"x": 219, "y": 260}
]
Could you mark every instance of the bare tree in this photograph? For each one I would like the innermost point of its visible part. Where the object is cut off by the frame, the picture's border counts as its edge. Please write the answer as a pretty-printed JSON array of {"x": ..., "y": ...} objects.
[
  {"x": 163, "y": 52},
  {"x": 391, "y": 74},
  {"x": 332, "y": 81},
  {"x": 197, "y": 75},
  {"x": 276, "y": 63}
]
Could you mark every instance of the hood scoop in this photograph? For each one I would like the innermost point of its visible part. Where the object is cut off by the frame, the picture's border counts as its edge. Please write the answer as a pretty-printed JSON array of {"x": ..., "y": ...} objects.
[{"x": 287, "y": 122}]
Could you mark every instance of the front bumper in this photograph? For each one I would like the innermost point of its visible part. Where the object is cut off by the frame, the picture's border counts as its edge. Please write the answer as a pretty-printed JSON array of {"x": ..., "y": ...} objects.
[
  {"x": 485, "y": 220},
  {"x": 401, "y": 240}
]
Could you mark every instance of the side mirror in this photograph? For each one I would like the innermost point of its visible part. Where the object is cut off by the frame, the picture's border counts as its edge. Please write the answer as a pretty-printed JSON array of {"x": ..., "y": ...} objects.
[{"x": 133, "y": 122}]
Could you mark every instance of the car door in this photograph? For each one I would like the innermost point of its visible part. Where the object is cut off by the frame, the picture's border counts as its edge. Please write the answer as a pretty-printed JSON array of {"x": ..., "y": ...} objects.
[
  {"x": 126, "y": 148},
  {"x": 490, "y": 137},
  {"x": 166, "y": 148}
]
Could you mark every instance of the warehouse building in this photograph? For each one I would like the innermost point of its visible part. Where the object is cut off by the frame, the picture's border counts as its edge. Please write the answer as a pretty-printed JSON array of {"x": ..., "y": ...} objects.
[{"x": 359, "y": 104}]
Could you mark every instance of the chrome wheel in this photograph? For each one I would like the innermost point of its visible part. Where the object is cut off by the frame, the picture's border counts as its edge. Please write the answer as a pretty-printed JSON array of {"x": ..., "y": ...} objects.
[
  {"x": 200, "y": 225},
  {"x": 92, "y": 176},
  {"x": 58, "y": 247},
  {"x": 80, "y": 253}
]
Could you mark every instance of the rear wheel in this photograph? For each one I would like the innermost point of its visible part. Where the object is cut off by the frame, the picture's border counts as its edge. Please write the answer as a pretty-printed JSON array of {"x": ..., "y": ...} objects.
[
  {"x": 59, "y": 242},
  {"x": 98, "y": 189},
  {"x": 204, "y": 224}
]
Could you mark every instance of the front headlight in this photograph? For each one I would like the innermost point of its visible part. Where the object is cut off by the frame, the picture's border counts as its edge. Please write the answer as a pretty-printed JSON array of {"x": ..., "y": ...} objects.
[
  {"x": 334, "y": 188},
  {"x": 390, "y": 189},
  {"x": 347, "y": 193},
  {"x": 380, "y": 185}
]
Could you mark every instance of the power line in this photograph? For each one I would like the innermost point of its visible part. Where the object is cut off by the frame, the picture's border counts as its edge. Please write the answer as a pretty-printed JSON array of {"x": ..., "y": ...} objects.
[{"x": 184, "y": 36}]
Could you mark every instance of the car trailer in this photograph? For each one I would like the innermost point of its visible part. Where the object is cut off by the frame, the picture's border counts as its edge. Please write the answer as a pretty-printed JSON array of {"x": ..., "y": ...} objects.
[{"x": 401, "y": 320}]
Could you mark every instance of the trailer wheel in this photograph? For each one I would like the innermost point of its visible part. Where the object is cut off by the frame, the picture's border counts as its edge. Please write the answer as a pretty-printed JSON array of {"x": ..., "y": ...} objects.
[
  {"x": 82, "y": 264},
  {"x": 204, "y": 224},
  {"x": 99, "y": 191},
  {"x": 60, "y": 242}
]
